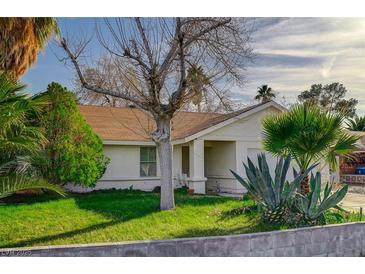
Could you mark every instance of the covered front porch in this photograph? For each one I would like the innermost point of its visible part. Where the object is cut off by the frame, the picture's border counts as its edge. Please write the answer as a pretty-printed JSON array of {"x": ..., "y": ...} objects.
[{"x": 204, "y": 165}]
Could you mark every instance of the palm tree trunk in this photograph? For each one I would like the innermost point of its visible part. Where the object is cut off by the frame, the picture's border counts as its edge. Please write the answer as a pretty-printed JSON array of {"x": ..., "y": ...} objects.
[{"x": 304, "y": 186}]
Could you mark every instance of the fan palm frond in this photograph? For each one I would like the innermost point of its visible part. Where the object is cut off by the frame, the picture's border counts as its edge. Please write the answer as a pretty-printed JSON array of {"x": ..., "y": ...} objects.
[
  {"x": 344, "y": 145},
  {"x": 12, "y": 184},
  {"x": 25, "y": 37},
  {"x": 308, "y": 134},
  {"x": 18, "y": 133}
]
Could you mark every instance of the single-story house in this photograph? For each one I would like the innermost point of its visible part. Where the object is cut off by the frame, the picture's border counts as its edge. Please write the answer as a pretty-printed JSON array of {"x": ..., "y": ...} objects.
[{"x": 205, "y": 146}]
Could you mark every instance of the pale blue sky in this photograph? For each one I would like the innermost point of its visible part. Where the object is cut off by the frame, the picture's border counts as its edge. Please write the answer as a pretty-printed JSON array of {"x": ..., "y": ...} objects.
[
  {"x": 292, "y": 54},
  {"x": 48, "y": 67}
]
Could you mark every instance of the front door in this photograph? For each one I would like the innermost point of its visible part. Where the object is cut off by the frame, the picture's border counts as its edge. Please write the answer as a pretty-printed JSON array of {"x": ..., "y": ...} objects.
[{"x": 185, "y": 161}]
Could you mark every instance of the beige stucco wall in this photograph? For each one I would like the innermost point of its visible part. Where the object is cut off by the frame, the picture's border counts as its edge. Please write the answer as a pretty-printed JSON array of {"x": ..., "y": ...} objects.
[
  {"x": 245, "y": 135},
  {"x": 247, "y": 129},
  {"x": 220, "y": 157},
  {"x": 123, "y": 169},
  {"x": 123, "y": 161}
]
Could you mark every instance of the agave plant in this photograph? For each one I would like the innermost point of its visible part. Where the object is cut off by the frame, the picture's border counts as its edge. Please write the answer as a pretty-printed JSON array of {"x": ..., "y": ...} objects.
[
  {"x": 313, "y": 205},
  {"x": 272, "y": 195},
  {"x": 357, "y": 124}
]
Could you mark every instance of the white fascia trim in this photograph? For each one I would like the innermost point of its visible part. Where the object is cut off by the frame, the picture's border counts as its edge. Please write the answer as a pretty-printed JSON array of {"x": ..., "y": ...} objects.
[
  {"x": 129, "y": 143},
  {"x": 229, "y": 121},
  {"x": 178, "y": 142},
  {"x": 223, "y": 138}
]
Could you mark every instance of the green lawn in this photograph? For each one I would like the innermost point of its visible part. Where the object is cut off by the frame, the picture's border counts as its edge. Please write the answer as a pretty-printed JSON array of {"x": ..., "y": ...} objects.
[{"x": 111, "y": 216}]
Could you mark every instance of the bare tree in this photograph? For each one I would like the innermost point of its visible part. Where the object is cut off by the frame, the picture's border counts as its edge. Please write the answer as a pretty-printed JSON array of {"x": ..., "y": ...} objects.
[{"x": 152, "y": 57}]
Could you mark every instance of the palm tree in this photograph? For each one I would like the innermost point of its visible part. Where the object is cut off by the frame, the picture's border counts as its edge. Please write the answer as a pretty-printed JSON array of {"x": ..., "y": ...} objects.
[
  {"x": 357, "y": 124},
  {"x": 309, "y": 135},
  {"x": 265, "y": 93},
  {"x": 20, "y": 139},
  {"x": 197, "y": 82},
  {"x": 21, "y": 38},
  {"x": 17, "y": 135}
]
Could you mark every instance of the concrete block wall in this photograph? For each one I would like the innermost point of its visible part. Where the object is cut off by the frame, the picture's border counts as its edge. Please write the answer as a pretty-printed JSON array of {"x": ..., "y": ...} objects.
[{"x": 333, "y": 240}]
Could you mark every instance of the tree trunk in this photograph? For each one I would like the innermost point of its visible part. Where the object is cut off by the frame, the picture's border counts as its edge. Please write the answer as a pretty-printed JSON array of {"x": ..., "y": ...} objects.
[
  {"x": 162, "y": 137},
  {"x": 304, "y": 186}
]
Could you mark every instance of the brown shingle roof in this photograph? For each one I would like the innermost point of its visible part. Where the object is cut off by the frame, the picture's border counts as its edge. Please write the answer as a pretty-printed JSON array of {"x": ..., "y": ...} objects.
[{"x": 131, "y": 124}]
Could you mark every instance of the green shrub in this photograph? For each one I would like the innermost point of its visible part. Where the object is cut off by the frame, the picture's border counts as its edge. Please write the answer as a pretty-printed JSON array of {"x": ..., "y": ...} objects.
[{"x": 74, "y": 153}]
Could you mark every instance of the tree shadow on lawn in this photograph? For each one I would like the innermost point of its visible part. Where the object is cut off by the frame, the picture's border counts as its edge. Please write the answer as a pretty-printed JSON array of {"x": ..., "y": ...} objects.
[
  {"x": 65, "y": 235},
  {"x": 120, "y": 206},
  {"x": 125, "y": 205},
  {"x": 29, "y": 199},
  {"x": 251, "y": 211}
]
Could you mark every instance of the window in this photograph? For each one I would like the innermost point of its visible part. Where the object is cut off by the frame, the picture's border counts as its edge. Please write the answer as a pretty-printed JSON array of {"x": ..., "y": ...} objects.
[{"x": 148, "y": 162}]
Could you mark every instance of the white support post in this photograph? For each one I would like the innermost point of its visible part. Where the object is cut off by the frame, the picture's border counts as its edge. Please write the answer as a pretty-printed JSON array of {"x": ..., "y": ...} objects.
[
  {"x": 196, "y": 166},
  {"x": 241, "y": 156},
  {"x": 176, "y": 164}
]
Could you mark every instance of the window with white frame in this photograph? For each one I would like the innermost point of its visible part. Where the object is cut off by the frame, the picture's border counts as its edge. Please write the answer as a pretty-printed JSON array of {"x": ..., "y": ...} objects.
[{"x": 148, "y": 163}]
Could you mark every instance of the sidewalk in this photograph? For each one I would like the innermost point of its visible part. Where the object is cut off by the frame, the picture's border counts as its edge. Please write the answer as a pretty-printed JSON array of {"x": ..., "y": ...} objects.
[{"x": 353, "y": 202}]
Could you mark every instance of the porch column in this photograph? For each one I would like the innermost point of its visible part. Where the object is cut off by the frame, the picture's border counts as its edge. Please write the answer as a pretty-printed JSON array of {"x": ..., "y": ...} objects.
[
  {"x": 176, "y": 163},
  {"x": 196, "y": 166},
  {"x": 241, "y": 156}
]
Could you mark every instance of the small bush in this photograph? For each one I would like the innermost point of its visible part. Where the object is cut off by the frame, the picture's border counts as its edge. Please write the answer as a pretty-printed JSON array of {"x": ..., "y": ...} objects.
[{"x": 74, "y": 153}]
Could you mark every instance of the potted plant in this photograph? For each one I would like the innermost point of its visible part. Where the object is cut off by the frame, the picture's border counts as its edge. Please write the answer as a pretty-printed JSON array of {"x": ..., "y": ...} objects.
[{"x": 190, "y": 190}]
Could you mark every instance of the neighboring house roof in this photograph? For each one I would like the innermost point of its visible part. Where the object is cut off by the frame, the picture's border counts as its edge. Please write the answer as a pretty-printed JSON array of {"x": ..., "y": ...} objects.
[{"x": 131, "y": 124}]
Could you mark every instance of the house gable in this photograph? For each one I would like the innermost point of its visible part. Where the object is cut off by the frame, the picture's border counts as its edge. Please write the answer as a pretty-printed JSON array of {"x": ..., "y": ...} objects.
[{"x": 245, "y": 126}]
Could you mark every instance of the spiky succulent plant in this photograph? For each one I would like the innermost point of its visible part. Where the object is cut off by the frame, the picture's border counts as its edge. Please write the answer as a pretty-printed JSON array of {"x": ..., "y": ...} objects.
[
  {"x": 313, "y": 206},
  {"x": 272, "y": 194}
]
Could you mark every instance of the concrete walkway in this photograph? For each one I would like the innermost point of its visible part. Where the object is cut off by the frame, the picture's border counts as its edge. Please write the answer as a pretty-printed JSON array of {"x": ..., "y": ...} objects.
[{"x": 353, "y": 202}]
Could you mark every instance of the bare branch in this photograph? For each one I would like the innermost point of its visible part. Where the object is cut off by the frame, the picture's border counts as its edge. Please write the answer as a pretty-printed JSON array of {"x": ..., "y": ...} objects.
[
  {"x": 207, "y": 30},
  {"x": 137, "y": 58},
  {"x": 73, "y": 58},
  {"x": 164, "y": 68},
  {"x": 176, "y": 98},
  {"x": 145, "y": 41},
  {"x": 151, "y": 58}
]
